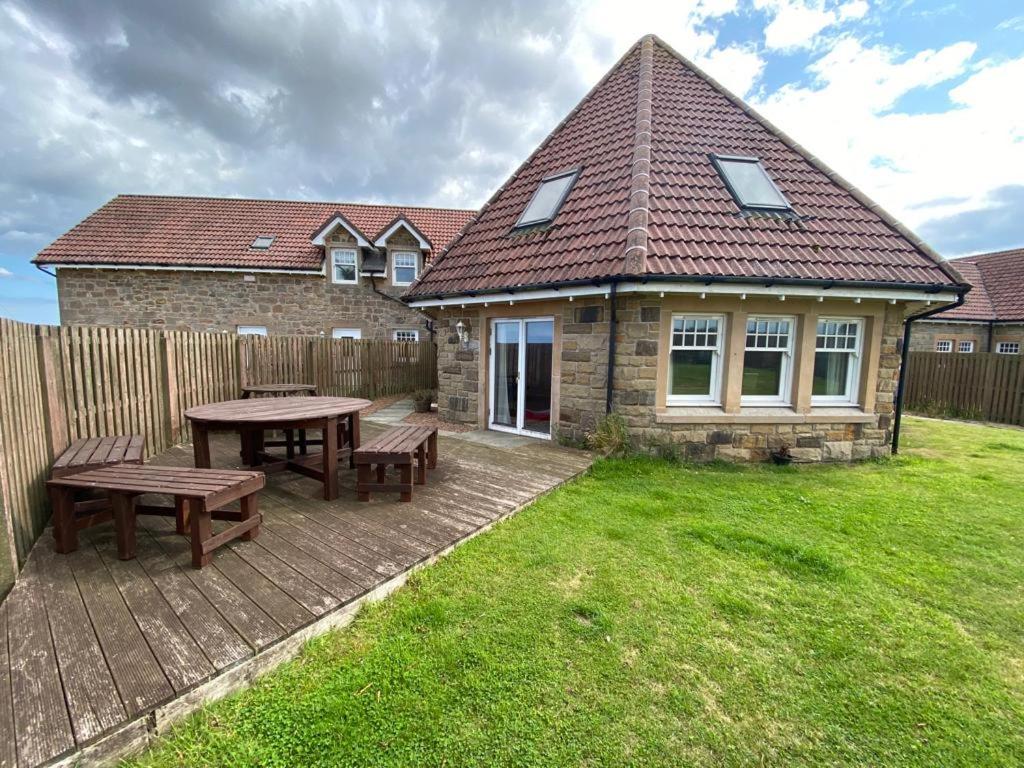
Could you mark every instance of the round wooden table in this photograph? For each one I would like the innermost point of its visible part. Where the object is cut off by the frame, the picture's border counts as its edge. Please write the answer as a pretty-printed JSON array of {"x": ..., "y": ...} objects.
[{"x": 337, "y": 417}]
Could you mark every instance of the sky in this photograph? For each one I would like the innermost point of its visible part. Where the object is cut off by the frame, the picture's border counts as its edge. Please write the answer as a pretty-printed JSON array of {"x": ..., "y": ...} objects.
[{"x": 917, "y": 102}]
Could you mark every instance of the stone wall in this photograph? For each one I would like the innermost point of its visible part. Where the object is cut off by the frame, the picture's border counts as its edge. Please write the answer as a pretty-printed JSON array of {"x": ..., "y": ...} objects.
[
  {"x": 925, "y": 333},
  {"x": 221, "y": 301},
  {"x": 582, "y": 391}
]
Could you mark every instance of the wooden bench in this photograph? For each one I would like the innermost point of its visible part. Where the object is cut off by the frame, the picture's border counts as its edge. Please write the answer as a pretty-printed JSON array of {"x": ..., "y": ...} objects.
[
  {"x": 398, "y": 447},
  {"x": 93, "y": 453},
  {"x": 199, "y": 497}
]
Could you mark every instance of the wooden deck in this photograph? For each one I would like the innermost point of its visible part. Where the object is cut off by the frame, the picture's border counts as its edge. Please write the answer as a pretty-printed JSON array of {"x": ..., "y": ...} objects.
[{"x": 98, "y": 655}]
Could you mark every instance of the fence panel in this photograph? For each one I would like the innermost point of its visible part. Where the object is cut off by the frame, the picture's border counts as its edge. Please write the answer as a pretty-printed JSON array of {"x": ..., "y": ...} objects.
[
  {"x": 987, "y": 387},
  {"x": 59, "y": 384}
]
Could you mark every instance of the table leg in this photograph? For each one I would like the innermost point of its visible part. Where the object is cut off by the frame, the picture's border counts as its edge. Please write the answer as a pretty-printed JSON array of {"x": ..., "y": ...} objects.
[
  {"x": 331, "y": 459},
  {"x": 201, "y": 530},
  {"x": 257, "y": 437},
  {"x": 302, "y": 442},
  {"x": 432, "y": 451},
  {"x": 353, "y": 434},
  {"x": 421, "y": 464},
  {"x": 65, "y": 535},
  {"x": 406, "y": 482},
  {"x": 124, "y": 524},
  {"x": 289, "y": 443},
  {"x": 200, "y": 445}
]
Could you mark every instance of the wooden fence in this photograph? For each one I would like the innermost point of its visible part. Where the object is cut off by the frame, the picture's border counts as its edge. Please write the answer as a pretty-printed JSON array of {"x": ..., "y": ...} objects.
[
  {"x": 58, "y": 384},
  {"x": 987, "y": 387}
]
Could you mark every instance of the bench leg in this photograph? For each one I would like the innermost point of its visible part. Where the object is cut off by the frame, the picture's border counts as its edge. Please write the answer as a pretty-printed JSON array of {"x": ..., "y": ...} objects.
[
  {"x": 330, "y": 457},
  {"x": 353, "y": 435},
  {"x": 124, "y": 524},
  {"x": 406, "y": 482},
  {"x": 200, "y": 445},
  {"x": 289, "y": 443},
  {"x": 302, "y": 442},
  {"x": 421, "y": 464},
  {"x": 382, "y": 473},
  {"x": 65, "y": 533},
  {"x": 362, "y": 480},
  {"x": 180, "y": 516},
  {"x": 249, "y": 511},
  {"x": 432, "y": 451},
  {"x": 201, "y": 530}
]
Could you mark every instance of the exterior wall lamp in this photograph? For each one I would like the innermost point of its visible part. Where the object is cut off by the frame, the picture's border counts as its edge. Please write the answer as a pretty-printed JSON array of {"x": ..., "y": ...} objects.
[{"x": 463, "y": 333}]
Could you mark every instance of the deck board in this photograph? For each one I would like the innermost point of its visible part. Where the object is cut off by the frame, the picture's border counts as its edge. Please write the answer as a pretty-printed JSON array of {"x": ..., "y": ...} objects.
[{"x": 89, "y": 642}]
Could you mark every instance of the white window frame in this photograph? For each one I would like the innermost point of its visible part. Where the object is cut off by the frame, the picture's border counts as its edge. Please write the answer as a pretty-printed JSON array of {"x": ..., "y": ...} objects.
[
  {"x": 965, "y": 347},
  {"x": 347, "y": 333},
  {"x": 852, "y": 371},
  {"x": 335, "y": 252},
  {"x": 251, "y": 330},
  {"x": 714, "y": 396},
  {"x": 1008, "y": 348},
  {"x": 415, "y": 332},
  {"x": 395, "y": 267},
  {"x": 786, "y": 378},
  {"x": 944, "y": 345}
]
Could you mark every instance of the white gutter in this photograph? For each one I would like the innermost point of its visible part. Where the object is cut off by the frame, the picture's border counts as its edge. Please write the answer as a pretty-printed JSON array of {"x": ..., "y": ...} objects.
[{"x": 704, "y": 291}]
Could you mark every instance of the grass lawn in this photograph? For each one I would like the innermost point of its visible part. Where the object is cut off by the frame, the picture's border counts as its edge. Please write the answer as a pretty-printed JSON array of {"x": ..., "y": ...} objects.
[{"x": 656, "y": 614}]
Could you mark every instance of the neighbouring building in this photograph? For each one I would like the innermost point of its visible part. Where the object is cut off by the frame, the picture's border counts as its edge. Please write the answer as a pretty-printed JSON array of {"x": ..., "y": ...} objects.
[
  {"x": 668, "y": 255},
  {"x": 251, "y": 266},
  {"x": 992, "y": 317}
]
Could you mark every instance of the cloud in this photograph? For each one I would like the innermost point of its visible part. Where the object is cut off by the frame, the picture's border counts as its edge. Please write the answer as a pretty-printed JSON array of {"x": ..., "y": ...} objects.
[
  {"x": 995, "y": 227},
  {"x": 6, "y": 272},
  {"x": 920, "y": 166},
  {"x": 797, "y": 23}
]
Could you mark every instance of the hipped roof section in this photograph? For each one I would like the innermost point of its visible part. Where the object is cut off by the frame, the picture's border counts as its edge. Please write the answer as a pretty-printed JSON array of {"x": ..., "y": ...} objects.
[
  {"x": 649, "y": 203},
  {"x": 998, "y": 292}
]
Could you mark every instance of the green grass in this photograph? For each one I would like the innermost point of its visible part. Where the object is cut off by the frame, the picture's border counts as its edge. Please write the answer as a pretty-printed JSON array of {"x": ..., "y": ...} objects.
[{"x": 657, "y": 614}]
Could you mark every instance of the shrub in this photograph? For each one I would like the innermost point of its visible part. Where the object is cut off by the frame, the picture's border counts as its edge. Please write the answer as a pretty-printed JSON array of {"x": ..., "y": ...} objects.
[
  {"x": 611, "y": 437},
  {"x": 422, "y": 399}
]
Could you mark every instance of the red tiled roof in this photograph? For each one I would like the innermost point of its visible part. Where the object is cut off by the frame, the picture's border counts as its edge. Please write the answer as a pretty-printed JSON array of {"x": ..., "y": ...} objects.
[
  {"x": 218, "y": 232},
  {"x": 998, "y": 292},
  {"x": 693, "y": 227}
]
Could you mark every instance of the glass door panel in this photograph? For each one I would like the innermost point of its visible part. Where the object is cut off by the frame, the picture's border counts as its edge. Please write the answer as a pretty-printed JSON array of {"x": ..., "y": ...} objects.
[
  {"x": 505, "y": 381},
  {"x": 537, "y": 379}
]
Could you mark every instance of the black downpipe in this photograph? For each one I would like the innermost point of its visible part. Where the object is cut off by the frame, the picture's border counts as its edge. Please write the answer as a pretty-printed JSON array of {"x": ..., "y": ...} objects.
[
  {"x": 612, "y": 329},
  {"x": 904, "y": 353},
  {"x": 373, "y": 286},
  {"x": 991, "y": 331}
]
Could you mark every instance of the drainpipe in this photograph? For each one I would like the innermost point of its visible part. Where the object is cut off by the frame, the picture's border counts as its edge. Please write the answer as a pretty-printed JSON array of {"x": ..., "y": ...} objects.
[
  {"x": 612, "y": 329},
  {"x": 904, "y": 354},
  {"x": 991, "y": 330}
]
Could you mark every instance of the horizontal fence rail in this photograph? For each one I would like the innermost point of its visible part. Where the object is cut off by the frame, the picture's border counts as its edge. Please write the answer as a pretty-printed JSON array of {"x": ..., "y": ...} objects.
[
  {"x": 985, "y": 387},
  {"x": 59, "y": 384}
]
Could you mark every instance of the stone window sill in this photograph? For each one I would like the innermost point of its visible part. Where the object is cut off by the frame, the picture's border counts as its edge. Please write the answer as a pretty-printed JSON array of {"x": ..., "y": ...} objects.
[{"x": 697, "y": 415}]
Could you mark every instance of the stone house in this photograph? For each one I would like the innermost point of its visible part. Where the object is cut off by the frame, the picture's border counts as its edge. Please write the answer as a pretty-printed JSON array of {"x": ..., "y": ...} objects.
[
  {"x": 668, "y": 255},
  {"x": 251, "y": 266},
  {"x": 992, "y": 316}
]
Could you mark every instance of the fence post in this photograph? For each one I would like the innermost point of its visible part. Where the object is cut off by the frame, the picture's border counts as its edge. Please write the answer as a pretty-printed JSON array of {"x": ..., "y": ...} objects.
[
  {"x": 171, "y": 385},
  {"x": 51, "y": 377}
]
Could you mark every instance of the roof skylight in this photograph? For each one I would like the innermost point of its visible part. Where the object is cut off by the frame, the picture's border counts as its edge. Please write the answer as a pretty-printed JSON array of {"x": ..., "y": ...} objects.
[
  {"x": 262, "y": 242},
  {"x": 749, "y": 183},
  {"x": 548, "y": 199}
]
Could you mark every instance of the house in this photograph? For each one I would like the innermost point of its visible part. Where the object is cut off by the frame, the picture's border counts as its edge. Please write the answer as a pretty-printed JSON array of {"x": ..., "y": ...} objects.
[
  {"x": 668, "y": 255},
  {"x": 992, "y": 317},
  {"x": 252, "y": 266}
]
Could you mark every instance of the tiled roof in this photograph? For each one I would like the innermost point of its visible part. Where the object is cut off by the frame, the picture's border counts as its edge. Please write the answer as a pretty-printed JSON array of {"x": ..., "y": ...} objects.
[
  {"x": 218, "y": 232},
  {"x": 998, "y": 287},
  {"x": 693, "y": 227}
]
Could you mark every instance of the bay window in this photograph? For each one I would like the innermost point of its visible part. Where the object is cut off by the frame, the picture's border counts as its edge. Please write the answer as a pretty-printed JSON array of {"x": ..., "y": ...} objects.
[
  {"x": 695, "y": 369},
  {"x": 837, "y": 353},
  {"x": 343, "y": 265},
  {"x": 767, "y": 361}
]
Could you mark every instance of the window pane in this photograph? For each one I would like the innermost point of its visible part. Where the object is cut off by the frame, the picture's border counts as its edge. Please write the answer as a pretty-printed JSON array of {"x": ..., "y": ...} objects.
[
  {"x": 405, "y": 274},
  {"x": 830, "y": 374},
  {"x": 691, "y": 372},
  {"x": 762, "y": 374},
  {"x": 544, "y": 205},
  {"x": 750, "y": 184}
]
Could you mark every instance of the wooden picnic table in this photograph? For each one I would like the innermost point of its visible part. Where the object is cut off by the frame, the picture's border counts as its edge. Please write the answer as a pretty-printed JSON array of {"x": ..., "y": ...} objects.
[
  {"x": 336, "y": 417},
  {"x": 277, "y": 390}
]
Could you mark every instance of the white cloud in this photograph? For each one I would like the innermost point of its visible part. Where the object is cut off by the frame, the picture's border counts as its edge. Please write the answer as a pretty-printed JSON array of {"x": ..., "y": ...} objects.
[
  {"x": 797, "y": 23},
  {"x": 735, "y": 67},
  {"x": 919, "y": 166},
  {"x": 6, "y": 272}
]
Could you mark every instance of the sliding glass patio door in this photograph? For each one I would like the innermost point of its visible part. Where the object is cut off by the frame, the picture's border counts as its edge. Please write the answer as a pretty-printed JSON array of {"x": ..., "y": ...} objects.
[{"x": 520, "y": 391}]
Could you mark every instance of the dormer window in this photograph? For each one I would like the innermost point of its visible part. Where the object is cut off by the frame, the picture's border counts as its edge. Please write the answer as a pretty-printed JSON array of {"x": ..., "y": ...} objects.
[
  {"x": 749, "y": 183},
  {"x": 343, "y": 265},
  {"x": 262, "y": 243},
  {"x": 547, "y": 199}
]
